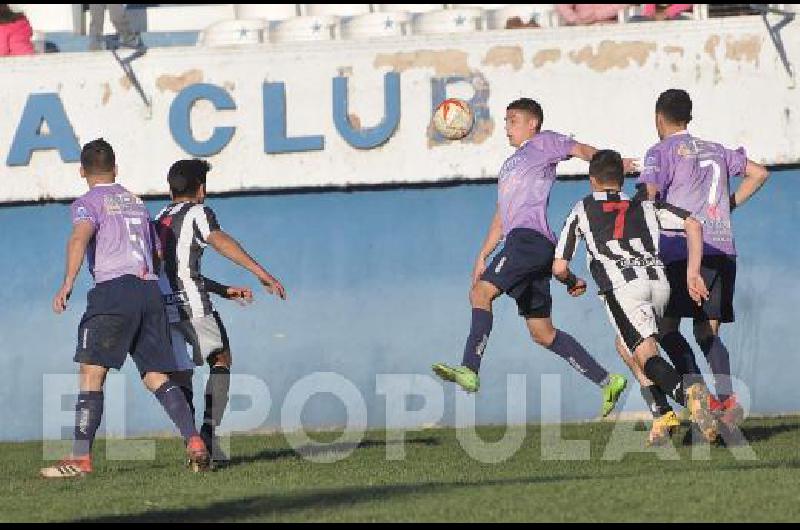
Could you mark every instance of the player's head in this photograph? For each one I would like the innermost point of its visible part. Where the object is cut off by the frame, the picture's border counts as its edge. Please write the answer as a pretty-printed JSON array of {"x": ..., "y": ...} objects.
[
  {"x": 98, "y": 162},
  {"x": 606, "y": 171},
  {"x": 673, "y": 111},
  {"x": 187, "y": 179},
  {"x": 524, "y": 119}
]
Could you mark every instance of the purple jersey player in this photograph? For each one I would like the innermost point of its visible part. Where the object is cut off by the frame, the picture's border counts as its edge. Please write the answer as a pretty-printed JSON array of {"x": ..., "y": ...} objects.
[
  {"x": 125, "y": 313},
  {"x": 693, "y": 174},
  {"x": 522, "y": 269}
]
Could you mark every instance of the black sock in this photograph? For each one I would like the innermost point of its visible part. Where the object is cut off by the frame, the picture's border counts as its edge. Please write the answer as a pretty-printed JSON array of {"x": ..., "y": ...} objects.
[
  {"x": 661, "y": 373},
  {"x": 172, "y": 399},
  {"x": 656, "y": 400},
  {"x": 680, "y": 353},
  {"x": 88, "y": 413},
  {"x": 216, "y": 400}
]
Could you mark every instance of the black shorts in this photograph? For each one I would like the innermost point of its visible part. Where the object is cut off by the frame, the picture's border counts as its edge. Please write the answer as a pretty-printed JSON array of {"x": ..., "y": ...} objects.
[
  {"x": 126, "y": 315},
  {"x": 719, "y": 273},
  {"x": 523, "y": 270}
]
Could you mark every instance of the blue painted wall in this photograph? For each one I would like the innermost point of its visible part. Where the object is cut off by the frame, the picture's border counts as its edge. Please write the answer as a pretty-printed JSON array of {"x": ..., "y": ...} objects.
[{"x": 377, "y": 283}]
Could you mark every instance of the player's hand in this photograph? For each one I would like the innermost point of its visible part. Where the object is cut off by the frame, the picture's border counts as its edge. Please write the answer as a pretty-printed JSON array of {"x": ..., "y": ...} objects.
[
  {"x": 631, "y": 165},
  {"x": 697, "y": 288},
  {"x": 478, "y": 269},
  {"x": 242, "y": 295},
  {"x": 578, "y": 289},
  {"x": 273, "y": 286},
  {"x": 61, "y": 298}
]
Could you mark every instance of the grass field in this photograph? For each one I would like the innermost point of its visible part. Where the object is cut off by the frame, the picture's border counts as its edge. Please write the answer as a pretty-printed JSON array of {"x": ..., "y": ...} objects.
[{"x": 437, "y": 481}]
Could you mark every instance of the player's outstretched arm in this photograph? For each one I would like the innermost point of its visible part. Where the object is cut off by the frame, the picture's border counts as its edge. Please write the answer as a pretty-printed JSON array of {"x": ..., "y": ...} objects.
[
  {"x": 82, "y": 233},
  {"x": 229, "y": 292},
  {"x": 231, "y": 249},
  {"x": 575, "y": 286},
  {"x": 755, "y": 175},
  {"x": 694, "y": 241},
  {"x": 586, "y": 152},
  {"x": 489, "y": 244}
]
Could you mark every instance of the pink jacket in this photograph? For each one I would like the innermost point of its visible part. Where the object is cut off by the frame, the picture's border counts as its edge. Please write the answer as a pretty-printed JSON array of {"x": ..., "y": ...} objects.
[
  {"x": 583, "y": 14},
  {"x": 15, "y": 38},
  {"x": 672, "y": 11}
]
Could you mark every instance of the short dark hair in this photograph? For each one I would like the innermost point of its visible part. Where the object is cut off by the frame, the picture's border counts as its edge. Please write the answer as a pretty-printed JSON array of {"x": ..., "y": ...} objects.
[
  {"x": 675, "y": 105},
  {"x": 528, "y": 105},
  {"x": 98, "y": 157},
  {"x": 186, "y": 176},
  {"x": 606, "y": 167}
]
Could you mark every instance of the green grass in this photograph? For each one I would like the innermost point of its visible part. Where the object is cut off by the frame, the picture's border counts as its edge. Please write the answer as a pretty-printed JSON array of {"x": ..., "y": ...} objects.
[{"x": 437, "y": 481}]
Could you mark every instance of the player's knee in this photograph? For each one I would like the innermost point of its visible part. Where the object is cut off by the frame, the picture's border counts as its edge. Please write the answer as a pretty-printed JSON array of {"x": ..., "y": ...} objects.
[
  {"x": 480, "y": 295},
  {"x": 543, "y": 336},
  {"x": 220, "y": 358},
  {"x": 182, "y": 378}
]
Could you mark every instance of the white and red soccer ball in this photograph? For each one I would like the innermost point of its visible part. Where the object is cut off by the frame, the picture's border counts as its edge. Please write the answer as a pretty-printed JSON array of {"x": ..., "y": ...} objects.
[{"x": 453, "y": 118}]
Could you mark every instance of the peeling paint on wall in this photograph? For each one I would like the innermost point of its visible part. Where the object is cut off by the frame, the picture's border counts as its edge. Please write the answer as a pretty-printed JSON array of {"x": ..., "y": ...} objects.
[
  {"x": 745, "y": 49},
  {"x": 546, "y": 56},
  {"x": 504, "y": 55},
  {"x": 176, "y": 83},
  {"x": 444, "y": 62},
  {"x": 612, "y": 54}
]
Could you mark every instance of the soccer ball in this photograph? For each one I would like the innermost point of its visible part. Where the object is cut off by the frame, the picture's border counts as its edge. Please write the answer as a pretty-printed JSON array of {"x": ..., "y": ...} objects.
[{"x": 453, "y": 119}]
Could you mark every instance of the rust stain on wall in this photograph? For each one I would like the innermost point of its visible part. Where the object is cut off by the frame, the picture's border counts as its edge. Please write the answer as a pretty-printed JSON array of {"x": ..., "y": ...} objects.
[
  {"x": 106, "y": 93},
  {"x": 124, "y": 82},
  {"x": 176, "y": 83},
  {"x": 355, "y": 121},
  {"x": 444, "y": 62},
  {"x": 711, "y": 46},
  {"x": 546, "y": 56},
  {"x": 674, "y": 49},
  {"x": 613, "y": 55},
  {"x": 504, "y": 55}
]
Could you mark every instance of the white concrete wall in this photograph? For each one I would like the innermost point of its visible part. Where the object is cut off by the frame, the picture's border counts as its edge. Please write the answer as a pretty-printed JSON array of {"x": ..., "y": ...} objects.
[{"x": 598, "y": 83}]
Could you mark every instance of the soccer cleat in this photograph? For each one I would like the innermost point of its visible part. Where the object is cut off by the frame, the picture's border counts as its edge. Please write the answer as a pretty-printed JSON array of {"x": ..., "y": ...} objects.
[
  {"x": 611, "y": 393},
  {"x": 697, "y": 401},
  {"x": 461, "y": 375},
  {"x": 662, "y": 429},
  {"x": 199, "y": 459},
  {"x": 70, "y": 467}
]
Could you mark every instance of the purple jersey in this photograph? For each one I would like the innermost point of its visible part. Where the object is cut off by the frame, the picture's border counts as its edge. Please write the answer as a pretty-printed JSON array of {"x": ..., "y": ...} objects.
[
  {"x": 124, "y": 236},
  {"x": 693, "y": 174},
  {"x": 526, "y": 179}
]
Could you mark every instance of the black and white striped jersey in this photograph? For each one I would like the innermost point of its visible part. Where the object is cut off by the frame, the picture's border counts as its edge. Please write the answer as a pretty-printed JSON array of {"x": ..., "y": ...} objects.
[
  {"x": 621, "y": 236},
  {"x": 184, "y": 228}
]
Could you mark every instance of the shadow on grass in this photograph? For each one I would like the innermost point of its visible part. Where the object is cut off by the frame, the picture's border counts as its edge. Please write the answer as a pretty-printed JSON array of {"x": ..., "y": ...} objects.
[
  {"x": 277, "y": 505},
  {"x": 315, "y": 450}
]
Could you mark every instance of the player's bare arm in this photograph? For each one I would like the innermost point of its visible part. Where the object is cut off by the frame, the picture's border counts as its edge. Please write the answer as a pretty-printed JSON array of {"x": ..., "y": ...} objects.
[
  {"x": 586, "y": 152},
  {"x": 489, "y": 244},
  {"x": 694, "y": 240},
  {"x": 575, "y": 286},
  {"x": 82, "y": 233},
  {"x": 231, "y": 249},
  {"x": 755, "y": 175}
]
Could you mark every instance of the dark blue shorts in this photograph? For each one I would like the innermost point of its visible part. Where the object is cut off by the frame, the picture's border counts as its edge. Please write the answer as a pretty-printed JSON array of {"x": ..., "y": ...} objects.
[
  {"x": 126, "y": 315},
  {"x": 719, "y": 273},
  {"x": 523, "y": 270}
]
